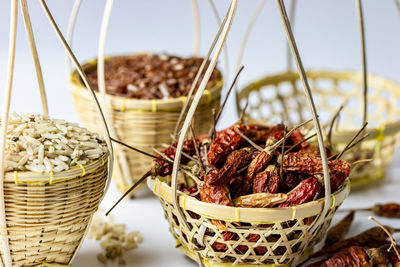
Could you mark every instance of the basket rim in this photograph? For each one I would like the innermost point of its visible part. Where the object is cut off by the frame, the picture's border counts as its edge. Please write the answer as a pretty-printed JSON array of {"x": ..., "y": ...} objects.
[
  {"x": 125, "y": 103},
  {"x": 29, "y": 177},
  {"x": 254, "y": 215},
  {"x": 340, "y": 136}
]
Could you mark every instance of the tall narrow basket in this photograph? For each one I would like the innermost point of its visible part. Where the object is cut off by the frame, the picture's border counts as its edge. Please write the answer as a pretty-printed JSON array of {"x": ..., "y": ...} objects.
[
  {"x": 144, "y": 124},
  {"x": 273, "y": 95},
  {"x": 44, "y": 217}
]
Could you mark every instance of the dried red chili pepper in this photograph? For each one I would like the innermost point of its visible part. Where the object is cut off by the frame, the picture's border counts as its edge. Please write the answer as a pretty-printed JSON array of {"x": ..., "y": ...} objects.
[
  {"x": 308, "y": 163},
  {"x": 257, "y": 133},
  {"x": 353, "y": 256},
  {"x": 305, "y": 192},
  {"x": 267, "y": 182},
  {"x": 371, "y": 238},
  {"x": 235, "y": 184},
  {"x": 236, "y": 160},
  {"x": 165, "y": 167},
  {"x": 393, "y": 258},
  {"x": 226, "y": 141},
  {"x": 338, "y": 231},
  {"x": 293, "y": 179},
  {"x": 216, "y": 194},
  {"x": 391, "y": 210},
  {"x": 313, "y": 149}
]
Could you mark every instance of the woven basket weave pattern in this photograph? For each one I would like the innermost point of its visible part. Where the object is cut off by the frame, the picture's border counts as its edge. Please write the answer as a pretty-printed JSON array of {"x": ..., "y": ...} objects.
[
  {"x": 46, "y": 222},
  {"x": 141, "y": 128},
  {"x": 283, "y": 239},
  {"x": 277, "y": 96}
]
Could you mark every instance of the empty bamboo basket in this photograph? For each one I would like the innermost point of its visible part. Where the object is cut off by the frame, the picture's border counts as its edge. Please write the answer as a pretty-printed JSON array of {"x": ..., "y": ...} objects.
[
  {"x": 47, "y": 216},
  {"x": 280, "y": 95},
  {"x": 143, "y": 124}
]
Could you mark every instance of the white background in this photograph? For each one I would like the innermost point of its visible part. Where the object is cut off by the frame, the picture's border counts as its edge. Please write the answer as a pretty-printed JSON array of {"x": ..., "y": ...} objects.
[{"x": 327, "y": 36}]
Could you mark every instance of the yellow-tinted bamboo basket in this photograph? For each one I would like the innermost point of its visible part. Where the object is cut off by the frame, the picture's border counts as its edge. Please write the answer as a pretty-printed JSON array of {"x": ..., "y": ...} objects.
[
  {"x": 47, "y": 215},
  {"x": 143, "y": 124},
  {"x": 286, "y": 234},
  {"x": 282, "y": 230},
  {"x": 280, "y": 96}
]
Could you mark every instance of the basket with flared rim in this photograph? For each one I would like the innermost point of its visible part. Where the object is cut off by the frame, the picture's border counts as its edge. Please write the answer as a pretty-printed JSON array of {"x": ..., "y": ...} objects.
[
  {"x": 279, "y": 95},
  {"x": 266, "y": 236},
  {"x": 145, "y": 124},
  {"x": 45, "y": 216}
]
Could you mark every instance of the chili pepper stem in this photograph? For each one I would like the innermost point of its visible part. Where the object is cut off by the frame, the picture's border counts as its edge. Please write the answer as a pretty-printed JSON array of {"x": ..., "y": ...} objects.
[
  {"x": 351, "y": 141},
  {"x": 299, "y": 143},
  {"x": 196, "y": 148},
  {"x": 152, "y": 171},
  {"x": 241, "y": 117},
  {"x": 183, "y": 153},
  {"x": 248, "y": 140},
  {"x": 137, "y": 150},
  {"x": 360, "y": 161},
  {"x": 351, "y": 146},
  {"x": 221, "y": 108},
  {"x": 228, "y": 93},
  {"x": 393, "y": 242},
  {"x": 272, "y": 148},
  {"x": 331, "y": 124},
  {"x": 283, "y": 153}
]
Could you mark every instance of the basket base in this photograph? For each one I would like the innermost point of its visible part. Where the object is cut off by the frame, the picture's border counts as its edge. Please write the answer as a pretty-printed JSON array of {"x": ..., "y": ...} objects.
[{"x": 306, "y": 255}]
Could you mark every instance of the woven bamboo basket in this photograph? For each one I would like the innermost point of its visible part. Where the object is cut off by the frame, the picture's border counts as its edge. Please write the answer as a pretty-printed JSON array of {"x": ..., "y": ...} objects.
[
  {"x": 143, "y": 124},
  {"x": 279, "y": 95},
  {"x": 282, "y": 231},
  {"x": 285, "y": 235},
  {"x": 47, "y": 216},
  {"x": 44, "y": 217}
]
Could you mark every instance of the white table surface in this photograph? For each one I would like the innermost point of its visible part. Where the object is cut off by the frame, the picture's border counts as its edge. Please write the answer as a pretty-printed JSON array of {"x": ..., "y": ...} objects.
[{"x": 158, "y": 248}]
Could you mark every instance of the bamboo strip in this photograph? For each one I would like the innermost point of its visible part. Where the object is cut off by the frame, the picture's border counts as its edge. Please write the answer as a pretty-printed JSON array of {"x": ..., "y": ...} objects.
[
  {"x": 196, "y": 27},
  {"x": 35, "y": 56},
  {"x": 70, "y": 34},
  {"x": 3, "y": 129}
]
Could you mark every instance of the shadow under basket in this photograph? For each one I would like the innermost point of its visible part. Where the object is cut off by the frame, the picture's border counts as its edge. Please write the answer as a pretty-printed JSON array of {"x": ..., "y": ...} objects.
[
  {"x": 47, "y": 214},
  {"x": 144, "y": 124},
  {"x": 281, "y": 96},
  {"x": 264, "y": 237}
]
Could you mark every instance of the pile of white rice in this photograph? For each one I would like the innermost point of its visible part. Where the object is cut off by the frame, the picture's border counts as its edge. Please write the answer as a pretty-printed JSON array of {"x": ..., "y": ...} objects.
[{"x": 40, "y": 144}]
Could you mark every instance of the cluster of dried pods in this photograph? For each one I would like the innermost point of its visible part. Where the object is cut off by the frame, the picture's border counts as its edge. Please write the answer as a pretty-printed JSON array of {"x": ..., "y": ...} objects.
[{"x": 374, "y": 247}]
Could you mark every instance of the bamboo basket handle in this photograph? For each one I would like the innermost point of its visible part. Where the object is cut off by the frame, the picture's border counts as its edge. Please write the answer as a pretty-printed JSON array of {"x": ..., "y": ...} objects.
[
  {"x": 3, "y": 129},
  {"x": 87, "y": 84},
  {"x": 292, "y": 13},
  {"x": 99, "y": 110},
  {"x": 196, "y": 26},
  {"x": 102, "y": 87},
  {"x": 32, "y": 46},
  {"x": 196, "y": 80},
  {"x": 397, "y": 4},
  {"x": 363, "y": 58},
  {"x": 226, "y": 57},
  {"x": 70, "y": 35},
  {"x": 243, "y": 45},
  {"x": 308, "y": 93},
  {"x": 174, "y": 183}
]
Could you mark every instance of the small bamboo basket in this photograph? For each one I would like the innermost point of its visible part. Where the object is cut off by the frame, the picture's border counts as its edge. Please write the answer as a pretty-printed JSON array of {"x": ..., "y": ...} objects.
[
  {"x": 144, "y": 124},
  {"x": 279, "y": 95},
  {"x": 47, "y": 216},
  {"x": 285, "y": 236},
  {"x": 44, "y": 217},
  {"x": 282, "y": 231},
  {"x": 366, "y": 98}
]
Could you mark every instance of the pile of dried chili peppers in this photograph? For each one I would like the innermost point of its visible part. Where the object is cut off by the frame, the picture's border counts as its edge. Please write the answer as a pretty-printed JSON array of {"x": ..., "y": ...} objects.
[{"x": 251, "y": 165}]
